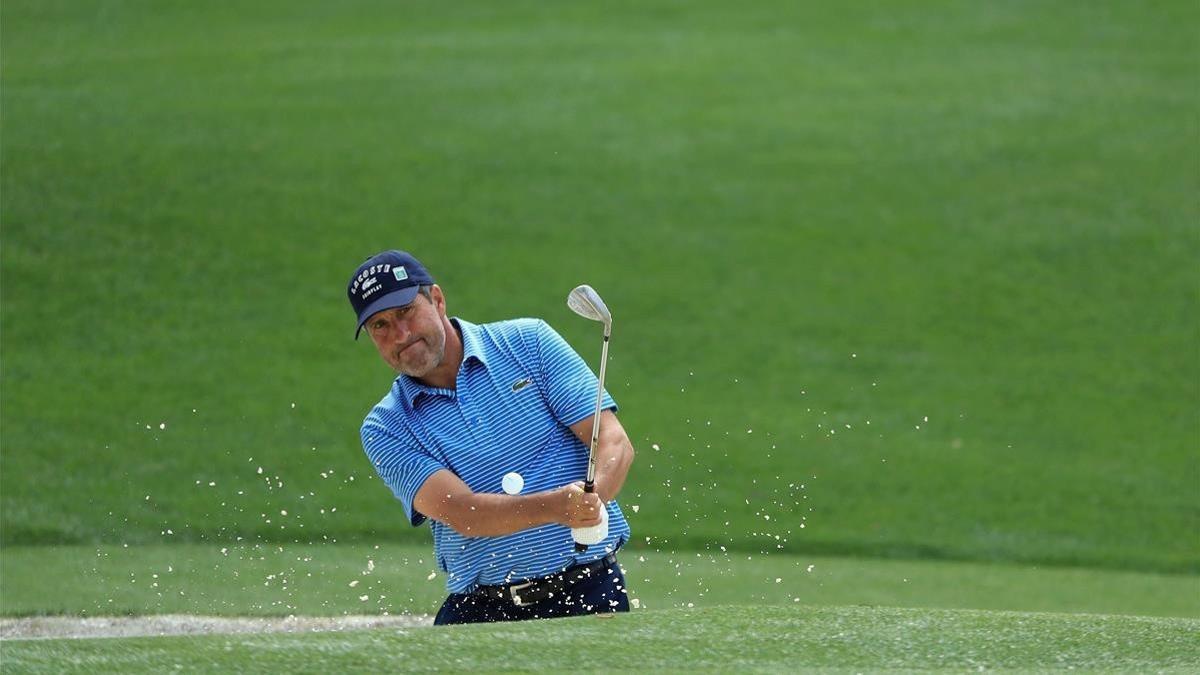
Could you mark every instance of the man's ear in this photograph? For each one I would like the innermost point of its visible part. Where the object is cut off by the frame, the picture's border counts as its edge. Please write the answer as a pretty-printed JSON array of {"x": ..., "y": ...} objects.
[{"x": 438, "y": 298}]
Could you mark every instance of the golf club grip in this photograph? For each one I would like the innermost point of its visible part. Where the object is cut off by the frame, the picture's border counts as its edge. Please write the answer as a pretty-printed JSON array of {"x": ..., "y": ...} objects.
[{"x": 588, "y": 486}]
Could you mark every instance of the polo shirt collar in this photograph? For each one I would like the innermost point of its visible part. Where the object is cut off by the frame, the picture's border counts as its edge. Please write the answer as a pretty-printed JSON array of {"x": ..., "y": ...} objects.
[
  {"x": 472, "y": 340},
  {"x": 473, "y": 350}
]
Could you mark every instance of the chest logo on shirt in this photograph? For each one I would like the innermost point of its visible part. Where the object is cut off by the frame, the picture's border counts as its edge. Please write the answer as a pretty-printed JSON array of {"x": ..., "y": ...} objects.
[{"x": 521, "y": 384}]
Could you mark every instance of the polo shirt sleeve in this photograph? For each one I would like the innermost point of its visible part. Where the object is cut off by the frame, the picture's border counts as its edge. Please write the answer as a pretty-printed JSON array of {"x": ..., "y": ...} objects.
[
  {"x": 569, "y": 384},
  {"x": 403, "y": 466}
]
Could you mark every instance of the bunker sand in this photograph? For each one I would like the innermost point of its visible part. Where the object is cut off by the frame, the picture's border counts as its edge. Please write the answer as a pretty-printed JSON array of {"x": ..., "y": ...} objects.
[{"x": 51, "y": 627}]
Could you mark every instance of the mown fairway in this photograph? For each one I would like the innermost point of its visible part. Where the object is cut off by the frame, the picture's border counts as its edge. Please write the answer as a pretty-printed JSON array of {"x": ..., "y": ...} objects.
[
  {"x": 897, "y": 281},
  {"x": 726, "y": 639}
]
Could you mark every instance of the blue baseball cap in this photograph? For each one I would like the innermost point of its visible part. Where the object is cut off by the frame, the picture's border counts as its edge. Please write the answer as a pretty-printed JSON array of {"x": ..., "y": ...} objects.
[{"x": 386, "y": 280}]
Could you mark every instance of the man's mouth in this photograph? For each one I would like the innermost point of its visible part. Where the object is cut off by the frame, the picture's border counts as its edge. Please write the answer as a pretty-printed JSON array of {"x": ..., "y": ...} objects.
[{"x": 407, "y": 347}]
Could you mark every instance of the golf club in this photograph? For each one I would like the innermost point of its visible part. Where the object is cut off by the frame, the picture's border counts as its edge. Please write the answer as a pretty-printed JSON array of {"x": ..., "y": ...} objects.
[{"x": 586, "y": 302}]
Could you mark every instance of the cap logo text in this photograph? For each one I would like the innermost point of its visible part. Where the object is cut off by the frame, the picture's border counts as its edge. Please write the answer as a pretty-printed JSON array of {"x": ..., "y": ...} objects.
[{"x": 369, "y": 273}]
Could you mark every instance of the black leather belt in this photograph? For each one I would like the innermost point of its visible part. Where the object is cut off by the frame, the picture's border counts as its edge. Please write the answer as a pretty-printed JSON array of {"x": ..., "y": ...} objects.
[{"x": 536, "y": 590}]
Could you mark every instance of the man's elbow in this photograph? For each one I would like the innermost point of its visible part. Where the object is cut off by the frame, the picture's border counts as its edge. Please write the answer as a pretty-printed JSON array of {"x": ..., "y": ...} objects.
[
  {"x": 457, "y": 513},
  {"x": 627, "y": 451}
]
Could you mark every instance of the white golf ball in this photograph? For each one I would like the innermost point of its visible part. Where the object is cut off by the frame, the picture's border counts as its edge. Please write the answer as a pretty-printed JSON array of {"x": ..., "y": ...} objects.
[{"x": 512, "y": 483}]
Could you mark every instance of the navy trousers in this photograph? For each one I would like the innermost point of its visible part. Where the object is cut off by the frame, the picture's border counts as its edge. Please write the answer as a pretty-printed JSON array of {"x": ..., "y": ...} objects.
[{"x": 596, "y": 593}]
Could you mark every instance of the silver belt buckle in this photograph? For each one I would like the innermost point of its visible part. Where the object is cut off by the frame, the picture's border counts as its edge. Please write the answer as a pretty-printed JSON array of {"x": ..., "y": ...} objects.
[{"x": 512, "y": 590}]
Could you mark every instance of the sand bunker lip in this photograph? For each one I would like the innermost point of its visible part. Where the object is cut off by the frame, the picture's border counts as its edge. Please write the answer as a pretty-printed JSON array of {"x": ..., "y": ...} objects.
[{"x": 53, "y": 627}]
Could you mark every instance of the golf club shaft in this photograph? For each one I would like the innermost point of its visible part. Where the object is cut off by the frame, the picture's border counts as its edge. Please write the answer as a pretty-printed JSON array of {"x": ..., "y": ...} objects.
[{"x": 589, "y": 484}]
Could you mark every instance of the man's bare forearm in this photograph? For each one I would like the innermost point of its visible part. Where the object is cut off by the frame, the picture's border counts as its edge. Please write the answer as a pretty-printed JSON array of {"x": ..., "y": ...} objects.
[
  {"x": 479, "y": 514},
  {"x": 614, "y": 455}
]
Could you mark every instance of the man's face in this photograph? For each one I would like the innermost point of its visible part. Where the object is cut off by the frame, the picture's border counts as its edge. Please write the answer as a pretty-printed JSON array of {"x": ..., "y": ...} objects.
[{"x": 411, "y": 339}]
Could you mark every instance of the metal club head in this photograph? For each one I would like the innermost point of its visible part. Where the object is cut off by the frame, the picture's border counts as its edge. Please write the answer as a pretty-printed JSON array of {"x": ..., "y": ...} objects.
[{"x": 586, "y": 302}]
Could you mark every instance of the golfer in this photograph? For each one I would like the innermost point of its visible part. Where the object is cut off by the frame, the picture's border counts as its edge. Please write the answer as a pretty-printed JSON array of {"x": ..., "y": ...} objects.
[{"x": 471, "y": 404}]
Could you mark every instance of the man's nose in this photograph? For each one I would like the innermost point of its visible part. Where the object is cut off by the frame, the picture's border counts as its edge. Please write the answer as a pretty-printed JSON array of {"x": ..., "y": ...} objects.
[{"x": 399, "y": 330}]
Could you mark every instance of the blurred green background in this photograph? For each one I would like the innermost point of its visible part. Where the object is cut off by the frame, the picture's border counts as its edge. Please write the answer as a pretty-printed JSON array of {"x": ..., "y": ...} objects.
[{"x": 899, "y": 280}]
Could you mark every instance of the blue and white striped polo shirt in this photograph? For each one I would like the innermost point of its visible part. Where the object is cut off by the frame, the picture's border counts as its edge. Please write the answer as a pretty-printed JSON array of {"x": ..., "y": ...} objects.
[{"x": 519, "y": 388}]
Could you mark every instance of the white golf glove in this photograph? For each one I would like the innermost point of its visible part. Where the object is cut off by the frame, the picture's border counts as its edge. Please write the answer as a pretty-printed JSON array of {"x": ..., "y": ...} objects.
[{"x": 589, "y": 536}]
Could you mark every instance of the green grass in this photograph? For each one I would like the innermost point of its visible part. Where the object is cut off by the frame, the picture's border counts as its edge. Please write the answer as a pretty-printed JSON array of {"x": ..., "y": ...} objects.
[
  {"x": 806, "y": 219},
  {"x": 900, "y": 292},
  {"x": 315, "y": 580},
  {"x": 721, "y": 639}
]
